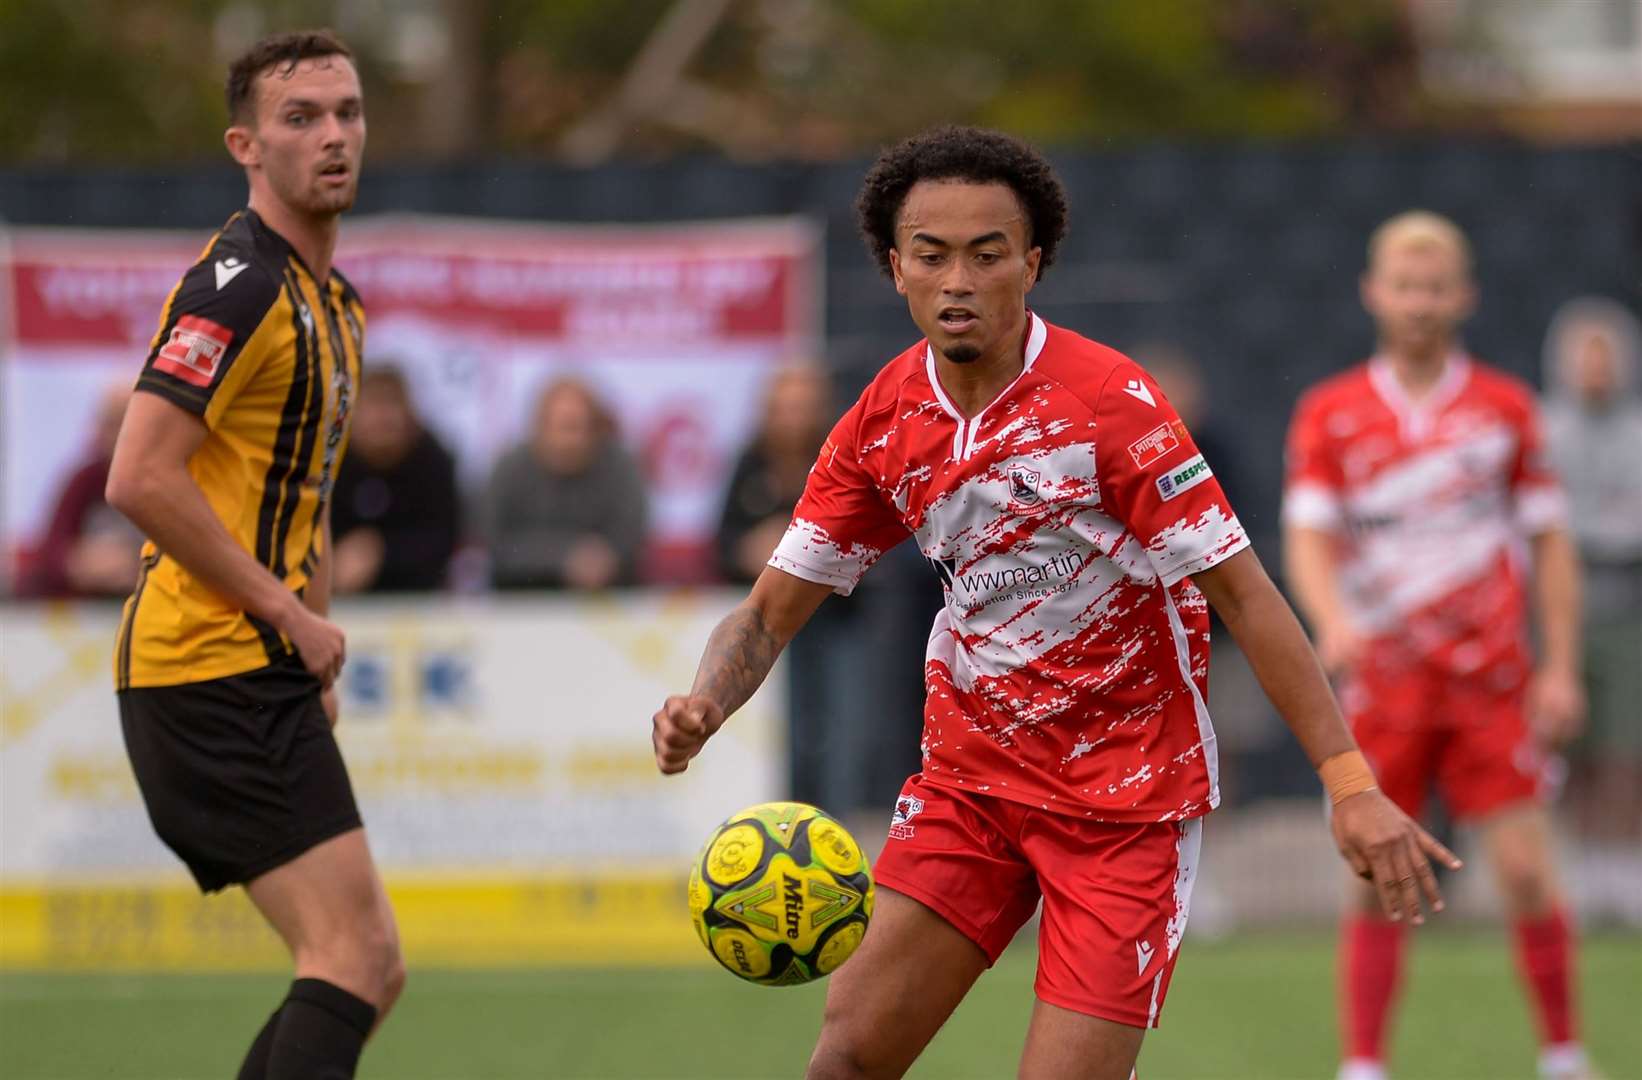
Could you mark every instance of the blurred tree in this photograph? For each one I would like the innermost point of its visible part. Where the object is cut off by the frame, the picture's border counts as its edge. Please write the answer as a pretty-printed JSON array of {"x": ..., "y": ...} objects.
[{"x": 139, "y": 80}]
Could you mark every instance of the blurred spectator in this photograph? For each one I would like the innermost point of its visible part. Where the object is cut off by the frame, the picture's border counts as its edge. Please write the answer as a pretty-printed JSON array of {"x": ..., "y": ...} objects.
[
  {"x": 395, "y": 513},
  {"x": 566, "y": 508},
  {"x": 89, "y": 549},
  {"x": 827, "y": 747},
  {"x": 769, "y": 475},
  {"x": 1593, "y": 427}
]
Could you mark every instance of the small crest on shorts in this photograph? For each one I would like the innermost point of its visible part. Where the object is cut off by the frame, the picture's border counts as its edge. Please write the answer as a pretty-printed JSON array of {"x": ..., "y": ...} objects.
[{"x": 907, "y": 807}]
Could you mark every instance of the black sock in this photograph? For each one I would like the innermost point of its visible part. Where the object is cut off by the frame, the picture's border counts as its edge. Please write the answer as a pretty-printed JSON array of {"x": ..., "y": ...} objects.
[
  {"x": 321, "y": 1030},
  {"x": 255, "y": 1066}
]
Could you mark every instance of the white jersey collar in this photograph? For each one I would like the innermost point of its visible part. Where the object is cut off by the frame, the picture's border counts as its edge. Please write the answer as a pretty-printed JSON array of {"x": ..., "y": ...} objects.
[{"x": 1415, "y": 416}]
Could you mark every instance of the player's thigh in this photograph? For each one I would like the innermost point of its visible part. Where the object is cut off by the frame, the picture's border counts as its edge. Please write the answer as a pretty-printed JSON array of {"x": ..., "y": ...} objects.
[
  {"x": 1492, "y": 763},
  {"x": 329, "y": 906},
  {"x": 954, "y": 889},
  {"x": 1066, "y": 1045},
  {"x": 893, "y": 995}
]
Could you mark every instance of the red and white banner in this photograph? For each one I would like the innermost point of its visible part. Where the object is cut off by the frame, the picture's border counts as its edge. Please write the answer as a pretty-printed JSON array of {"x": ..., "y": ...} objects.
[{"x": 676, "y": 327}]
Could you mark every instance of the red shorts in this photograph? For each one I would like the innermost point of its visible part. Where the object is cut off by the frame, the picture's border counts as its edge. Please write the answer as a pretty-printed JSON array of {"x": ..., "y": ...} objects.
[
  {"x": 1468, "y": 736},
  {"x": 1115, "y": 895}
]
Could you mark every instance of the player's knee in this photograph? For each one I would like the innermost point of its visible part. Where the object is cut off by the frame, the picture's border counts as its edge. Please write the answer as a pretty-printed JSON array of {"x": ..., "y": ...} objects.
[
  {"x": 393, "y": 980},
  {"x": 835, "y": 1061},
  {"x": 1527, "y": 884},
  {"x": 848, "y": 1051},
  {"x": 364, "y": 959}
]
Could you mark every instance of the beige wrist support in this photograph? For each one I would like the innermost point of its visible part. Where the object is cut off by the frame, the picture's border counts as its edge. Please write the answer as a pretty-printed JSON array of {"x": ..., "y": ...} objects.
[{"x": 1346, "y": 774}]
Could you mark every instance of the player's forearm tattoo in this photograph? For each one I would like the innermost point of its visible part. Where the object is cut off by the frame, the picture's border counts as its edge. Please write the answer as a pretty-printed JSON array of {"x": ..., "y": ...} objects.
[{"x": 738, "y": 656}]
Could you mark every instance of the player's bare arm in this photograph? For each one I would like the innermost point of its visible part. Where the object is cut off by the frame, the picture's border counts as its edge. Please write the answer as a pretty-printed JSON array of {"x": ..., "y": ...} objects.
[
  {"x": 739, "y": 655},
  {"x": 1556, "y": 698},
  {"x": 149, "y": 482},
  {"x": 1379, "y": 841},
  {"x": 1309, "y": 559}
]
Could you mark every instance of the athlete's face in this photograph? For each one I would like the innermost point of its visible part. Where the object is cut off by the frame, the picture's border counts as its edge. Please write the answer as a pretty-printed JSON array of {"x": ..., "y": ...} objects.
[
  {"x": 1418, "y": 295},
  {"x": 307, "y": 136},
  {"x": 963, "y": 260}
]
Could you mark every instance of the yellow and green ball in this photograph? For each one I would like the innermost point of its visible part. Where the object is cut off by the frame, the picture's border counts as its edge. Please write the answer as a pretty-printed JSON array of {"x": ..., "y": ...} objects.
[{"x": 781, "y": 894}]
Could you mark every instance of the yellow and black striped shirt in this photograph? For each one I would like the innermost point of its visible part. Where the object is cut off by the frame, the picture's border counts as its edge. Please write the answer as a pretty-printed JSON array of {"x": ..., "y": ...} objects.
[{"x": 268, "y": 358}]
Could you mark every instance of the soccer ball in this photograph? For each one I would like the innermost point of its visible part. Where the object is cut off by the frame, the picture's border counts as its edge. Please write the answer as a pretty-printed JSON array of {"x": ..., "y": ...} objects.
[{"x": 781, "y": 894}]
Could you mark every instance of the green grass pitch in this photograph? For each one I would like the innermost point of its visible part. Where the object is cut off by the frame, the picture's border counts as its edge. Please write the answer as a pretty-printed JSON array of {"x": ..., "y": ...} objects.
[{"x": 1255, "y": 1006}]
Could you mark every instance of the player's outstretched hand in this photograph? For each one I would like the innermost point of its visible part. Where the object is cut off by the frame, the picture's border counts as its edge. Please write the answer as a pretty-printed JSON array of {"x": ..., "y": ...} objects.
[
  {"x": 1387, "y": 847},
  {"x": 681, "y": 727},
  {"x": 319, "y": 642}
]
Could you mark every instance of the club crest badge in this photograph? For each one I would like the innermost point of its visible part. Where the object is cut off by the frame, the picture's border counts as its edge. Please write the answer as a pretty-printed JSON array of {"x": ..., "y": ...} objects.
[
  {"x": 907, "y": 807},
  {"x": 1024, "y": 496}
]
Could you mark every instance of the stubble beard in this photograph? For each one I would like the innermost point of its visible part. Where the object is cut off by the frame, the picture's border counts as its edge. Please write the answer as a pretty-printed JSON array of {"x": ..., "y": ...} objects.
[
  {"x": 962, "y": 353},
  {"x": 315, "y": 201},
  {"x": 331, "y": 203}
]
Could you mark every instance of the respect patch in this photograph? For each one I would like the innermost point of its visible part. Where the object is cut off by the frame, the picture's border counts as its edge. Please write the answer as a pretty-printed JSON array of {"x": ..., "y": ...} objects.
[{"x": 1190, "y": 473}]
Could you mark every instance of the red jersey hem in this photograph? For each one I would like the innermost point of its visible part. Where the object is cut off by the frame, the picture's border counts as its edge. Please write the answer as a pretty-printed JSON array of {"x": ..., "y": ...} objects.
[{"x": 1058, "y": 806}]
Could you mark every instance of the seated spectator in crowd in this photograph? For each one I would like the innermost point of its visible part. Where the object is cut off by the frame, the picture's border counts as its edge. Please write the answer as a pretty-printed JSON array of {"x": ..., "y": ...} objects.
[
  {"x": 1593, "y": 433},
  {"x": 830, "y": 712},
  {"x": 770, "y": 473},
  {"x": 89, "y": 549},
  {"x": 395, "y": 513},
  {"x": 566, "y": 508}
]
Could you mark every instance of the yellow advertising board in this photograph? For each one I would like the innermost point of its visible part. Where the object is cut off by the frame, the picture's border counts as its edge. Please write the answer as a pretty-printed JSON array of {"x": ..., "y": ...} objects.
[{"x": 500, "y": 752}]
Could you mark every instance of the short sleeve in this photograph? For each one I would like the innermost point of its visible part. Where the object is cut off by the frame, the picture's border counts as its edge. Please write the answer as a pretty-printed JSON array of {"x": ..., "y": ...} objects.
[
  {"x": 842, "y": 523},
  {"x": 1313, "y": 482},
  {"x": 1536, "y": 490},
  {"x": 210, "y": 317},
  {"x": 1154, "y": 480}
]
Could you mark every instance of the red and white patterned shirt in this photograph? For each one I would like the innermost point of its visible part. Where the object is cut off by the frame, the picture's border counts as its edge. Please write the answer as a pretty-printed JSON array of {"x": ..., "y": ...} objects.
[
  {"x": 1068, "y": 669},
  {"x": 1431, "y": 500}
]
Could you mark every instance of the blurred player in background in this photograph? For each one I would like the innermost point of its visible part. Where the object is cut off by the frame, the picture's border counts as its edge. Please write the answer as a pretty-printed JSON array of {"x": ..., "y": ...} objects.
[
  {"x": 1593, "y": 432},
  {"x": 1068, "y": 754},
  {"x": 225, "y": 658},
  {"x": 1414, "y": 481}
]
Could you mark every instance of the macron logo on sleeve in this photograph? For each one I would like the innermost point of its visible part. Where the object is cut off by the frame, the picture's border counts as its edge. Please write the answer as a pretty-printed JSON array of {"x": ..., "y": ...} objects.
[
  {"x": 1140, "y": 392},
  {"x": 228, "y": 269},
  {"x": 194, "y": 350}
]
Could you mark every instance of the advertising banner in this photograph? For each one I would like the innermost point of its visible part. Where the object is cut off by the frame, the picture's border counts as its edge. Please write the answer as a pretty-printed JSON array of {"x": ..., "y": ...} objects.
[
  {"x": 676, "y": 328},
  {"x": 500, "y": 752}
]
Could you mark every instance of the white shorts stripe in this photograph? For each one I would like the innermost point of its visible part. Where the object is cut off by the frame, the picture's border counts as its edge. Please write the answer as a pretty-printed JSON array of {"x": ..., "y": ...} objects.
[{"x": 1188, "y": 853}]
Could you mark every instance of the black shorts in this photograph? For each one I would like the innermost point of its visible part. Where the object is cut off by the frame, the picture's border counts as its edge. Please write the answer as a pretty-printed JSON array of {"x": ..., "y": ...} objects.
[{"x": 240, "y": 774}]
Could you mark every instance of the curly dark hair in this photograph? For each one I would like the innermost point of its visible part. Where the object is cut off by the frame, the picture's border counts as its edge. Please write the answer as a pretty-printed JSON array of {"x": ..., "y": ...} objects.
[
  {"x": 961, "y": 153},
  {"x": 279, "y": 53}
]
